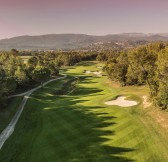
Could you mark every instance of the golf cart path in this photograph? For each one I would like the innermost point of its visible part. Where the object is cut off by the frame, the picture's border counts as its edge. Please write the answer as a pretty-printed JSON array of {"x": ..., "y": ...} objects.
[{"x": 5, "y": 134}]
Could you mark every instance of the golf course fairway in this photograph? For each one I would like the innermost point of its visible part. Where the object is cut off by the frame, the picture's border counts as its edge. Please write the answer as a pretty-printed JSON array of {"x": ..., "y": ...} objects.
[{"x": 67, "y": 121}]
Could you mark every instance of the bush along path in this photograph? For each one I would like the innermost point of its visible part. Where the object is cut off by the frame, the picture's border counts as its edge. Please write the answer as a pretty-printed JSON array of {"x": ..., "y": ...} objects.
[{"x": 6, "y": 133}]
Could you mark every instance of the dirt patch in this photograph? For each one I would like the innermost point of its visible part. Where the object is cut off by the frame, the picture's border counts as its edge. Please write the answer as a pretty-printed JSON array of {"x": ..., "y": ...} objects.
[
  {"x": 160, "y": 116},
  {"x": 120, "y": 101},
  {"x": 146, "y": 103}
]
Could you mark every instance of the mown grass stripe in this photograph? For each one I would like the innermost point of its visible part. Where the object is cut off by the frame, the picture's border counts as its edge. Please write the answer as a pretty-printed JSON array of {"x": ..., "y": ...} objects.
[{"x": 80, "y": 127}]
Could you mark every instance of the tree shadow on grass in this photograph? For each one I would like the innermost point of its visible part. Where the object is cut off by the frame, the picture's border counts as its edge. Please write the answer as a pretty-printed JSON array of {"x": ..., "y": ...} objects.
[
  {"x": 82, "y": 133},
  {"x": 77, "y": 89},
  {"x": 87, "y": 79},
  {"x": 86, "y": 91},
  {"x": 58, "y": 128}
]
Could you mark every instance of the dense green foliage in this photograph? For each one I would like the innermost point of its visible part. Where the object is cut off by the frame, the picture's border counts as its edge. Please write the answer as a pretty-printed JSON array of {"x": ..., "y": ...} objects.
[
  {"x": 140, "y": 66},
  {"x": 79, "y": 127},
  {"x": 145, "y": 65},
  {"x": 14, "y": 73}
]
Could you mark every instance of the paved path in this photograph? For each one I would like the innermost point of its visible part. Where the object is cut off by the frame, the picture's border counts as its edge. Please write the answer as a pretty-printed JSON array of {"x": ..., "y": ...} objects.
[
  {"x": 34, "y": 89},
  {"x": 11, "y": 126}
]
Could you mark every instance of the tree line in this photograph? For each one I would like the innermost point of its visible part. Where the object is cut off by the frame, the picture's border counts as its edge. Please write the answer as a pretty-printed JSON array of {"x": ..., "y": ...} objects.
[
  {"x": 41, "y": 66},
  {"x": 144, "y": 65}
]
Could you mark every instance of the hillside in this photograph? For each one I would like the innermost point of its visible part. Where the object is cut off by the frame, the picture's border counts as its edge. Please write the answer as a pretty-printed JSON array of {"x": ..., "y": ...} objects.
[{"x": 71, "y": 41}]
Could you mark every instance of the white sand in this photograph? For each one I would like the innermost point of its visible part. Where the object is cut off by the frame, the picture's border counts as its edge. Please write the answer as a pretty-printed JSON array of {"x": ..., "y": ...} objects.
[
  {"x": 98, "y": 73},
  {"x": 88, "y": 72},
  {"x": 120, "y": 101}
]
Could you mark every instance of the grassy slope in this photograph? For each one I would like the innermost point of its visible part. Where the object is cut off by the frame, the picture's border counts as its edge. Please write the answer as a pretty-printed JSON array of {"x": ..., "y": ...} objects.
[
  {"x": 79, "y": 127},
  {"x": 7, "y": 113}
]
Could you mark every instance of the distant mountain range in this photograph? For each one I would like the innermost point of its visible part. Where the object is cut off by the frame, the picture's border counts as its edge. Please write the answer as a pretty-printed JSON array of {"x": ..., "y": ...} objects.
[{"x": 71, "y": 41}]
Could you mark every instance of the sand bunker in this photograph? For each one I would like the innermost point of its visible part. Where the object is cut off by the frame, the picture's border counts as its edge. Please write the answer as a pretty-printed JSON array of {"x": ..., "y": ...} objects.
[
  {"x": 88, "y": 72},
  {"x": 98, "y": 73},
  {"x": 120, "y": 101}
]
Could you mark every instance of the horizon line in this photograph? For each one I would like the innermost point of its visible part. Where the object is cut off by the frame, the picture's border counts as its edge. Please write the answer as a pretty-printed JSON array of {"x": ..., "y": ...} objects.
[{"x": 31, "y": 35}]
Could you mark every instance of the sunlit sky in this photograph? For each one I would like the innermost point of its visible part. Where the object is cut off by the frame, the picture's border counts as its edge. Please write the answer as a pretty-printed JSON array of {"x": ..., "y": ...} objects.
[{"x": 94, "y": 17}]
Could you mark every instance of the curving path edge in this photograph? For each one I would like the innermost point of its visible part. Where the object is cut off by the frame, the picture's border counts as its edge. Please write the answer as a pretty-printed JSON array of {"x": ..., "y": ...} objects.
[{"x": 6, "y": 133}]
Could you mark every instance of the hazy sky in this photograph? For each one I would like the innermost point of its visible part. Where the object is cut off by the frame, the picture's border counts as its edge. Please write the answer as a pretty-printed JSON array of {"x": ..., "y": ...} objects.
[{"x": 96, "y": 17}]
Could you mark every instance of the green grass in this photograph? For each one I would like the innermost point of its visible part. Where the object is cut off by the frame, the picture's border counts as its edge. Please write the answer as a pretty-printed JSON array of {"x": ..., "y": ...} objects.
[
  {"x": 78, "y": 126},
  {"x": 6, "y": 114}
]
